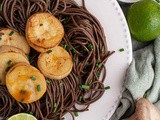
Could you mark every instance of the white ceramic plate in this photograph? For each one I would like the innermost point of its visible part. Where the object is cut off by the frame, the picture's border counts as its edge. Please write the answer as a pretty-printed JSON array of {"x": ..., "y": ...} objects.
[{"x": 117, "y": 33}]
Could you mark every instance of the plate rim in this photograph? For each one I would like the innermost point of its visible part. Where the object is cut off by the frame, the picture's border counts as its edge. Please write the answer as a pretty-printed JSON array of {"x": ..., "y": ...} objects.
[{"x": 128, "y": 40}]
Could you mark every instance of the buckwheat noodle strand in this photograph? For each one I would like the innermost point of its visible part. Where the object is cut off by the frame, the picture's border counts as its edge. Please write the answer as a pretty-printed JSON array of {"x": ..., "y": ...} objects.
[{"x": 85, "y": 41}]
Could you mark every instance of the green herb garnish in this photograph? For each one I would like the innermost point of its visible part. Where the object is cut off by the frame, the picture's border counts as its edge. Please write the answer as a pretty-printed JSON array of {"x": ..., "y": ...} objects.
[
  {"x": 60, "y": 84},
  {"x": 76, "y": 114},
  {"x": 71, "y": 48},
  {"x": 11, "y": 33},
  {"x": 90, "y": 47},
  {"x": 27, "y": 56},
  {"x": 30, "y": 112},
  {"x": 22, "y": 92},
  {"x": 102, "y": 49},
  {"x": 41, "y": 24},
  {"x": 22, "y": 101},
  {"x": 121, "y": 50},
  {"x": 47, "y": 1},
  {"x": 87, "y": 64},
  {"x": 86, "y": 87},
  {"x": 8, "y": 68},
  {"x": 100, "y": 65},
  {"x": 80, "y": 98},
  {"x": 80, "y": 86},
  {"x": 33, "y": 78},
  {"x": 90, "y": 81},
  {"x": 55, "y": 107},
  {"x": 1, "y": 7},
  {"x": 0, "y": 38},
  {"x": 38, "y": 88},
  {"x": 47, "y": 81},
  {"x": 66, "y": 20},
  {"x": 145, "y": 95},
  {"x": 48, "y": 102},
  {"x": 65, "y": 46},
  {"x": 52, "y": 12},
  {"x": 97, "y": 74},
  {"x": 107, "y": 88},
  {"x": 9, "y": 62},
  {"x": 49, "y": 51}
]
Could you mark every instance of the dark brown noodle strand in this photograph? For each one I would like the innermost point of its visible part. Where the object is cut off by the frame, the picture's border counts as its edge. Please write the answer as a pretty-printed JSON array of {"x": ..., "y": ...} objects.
[{"x": 85, "y": 41}]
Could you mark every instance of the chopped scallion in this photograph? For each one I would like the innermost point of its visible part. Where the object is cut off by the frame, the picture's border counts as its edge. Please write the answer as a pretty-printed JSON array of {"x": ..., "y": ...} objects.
[
  {"x": 1, "y": 7},
  {"x": 38, "y": 88},
  {"x": 9, "y": 62},
  {"x": 145, "y": 95},
  {"x": 90, "y": 47},
  {"x": 27, "y": 56},
  {"x": 60, "y": 84},
  {"x": 121, "y": 50},
  {"x": 33, "y": 78},
  {"x": 100, "y": 65},
  {"x": 76, "y": 114},
  {"x": 65, "y": 46},
  {"x": 80, "y": 98},
  {"x": 22, "y": 100},
  {"x": 49, "y": 51},
  {"x": 90, "y": 81},
  {"x": 55, "y": 107},
  {"x": 11, "y": 33},
  {"x": 47, "y": 81},
  {"x": 107, "y": 88},
  {"x": 86, "y": 87},
  {"x": 22, "y": 92}
]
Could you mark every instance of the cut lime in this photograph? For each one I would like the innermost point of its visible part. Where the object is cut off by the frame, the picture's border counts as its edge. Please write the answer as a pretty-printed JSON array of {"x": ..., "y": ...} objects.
[{"x": 22, "y": 116}]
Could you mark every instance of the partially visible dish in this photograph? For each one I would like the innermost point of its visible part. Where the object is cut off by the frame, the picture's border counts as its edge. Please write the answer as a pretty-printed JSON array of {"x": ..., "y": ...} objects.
[{"x": 73, "y": 53}]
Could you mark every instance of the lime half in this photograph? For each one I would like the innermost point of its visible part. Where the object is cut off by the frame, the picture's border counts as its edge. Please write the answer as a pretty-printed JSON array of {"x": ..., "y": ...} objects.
[{"x": 22, "y": 116}]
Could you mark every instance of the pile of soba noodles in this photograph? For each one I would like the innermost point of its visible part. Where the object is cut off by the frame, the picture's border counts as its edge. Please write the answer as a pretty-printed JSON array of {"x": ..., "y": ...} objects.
[{"x": 86, "y": 43}]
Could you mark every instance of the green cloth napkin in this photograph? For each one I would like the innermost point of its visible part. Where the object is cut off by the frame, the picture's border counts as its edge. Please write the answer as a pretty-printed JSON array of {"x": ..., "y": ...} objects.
[{"x": 143, "y": 76}]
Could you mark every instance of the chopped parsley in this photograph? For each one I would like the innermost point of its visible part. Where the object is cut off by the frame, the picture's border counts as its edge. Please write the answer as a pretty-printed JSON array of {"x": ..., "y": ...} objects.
[
  {"x": 41, "y": 24},
  {"x": 0, "y": 38}
]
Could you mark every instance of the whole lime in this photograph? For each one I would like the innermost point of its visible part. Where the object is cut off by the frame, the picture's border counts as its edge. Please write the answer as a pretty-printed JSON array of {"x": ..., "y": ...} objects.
[{"x": 144, "y": 20}]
